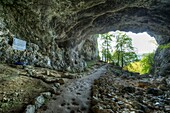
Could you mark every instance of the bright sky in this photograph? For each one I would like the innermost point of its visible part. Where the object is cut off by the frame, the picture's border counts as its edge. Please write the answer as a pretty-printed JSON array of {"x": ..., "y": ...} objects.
[{"x": 142, "y": 41}]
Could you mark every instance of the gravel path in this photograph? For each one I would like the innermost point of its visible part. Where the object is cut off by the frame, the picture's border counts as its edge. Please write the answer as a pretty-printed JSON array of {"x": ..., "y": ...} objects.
[{"x": 75, "y": 96}]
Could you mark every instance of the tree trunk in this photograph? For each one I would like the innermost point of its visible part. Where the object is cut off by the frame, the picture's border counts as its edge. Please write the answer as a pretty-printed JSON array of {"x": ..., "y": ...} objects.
[
  {"x": 121, "y": 56},
  {"x": 122, "y": 60},
  {"x": 107, "y": 53},
  {"x": 118, "y": 58}
]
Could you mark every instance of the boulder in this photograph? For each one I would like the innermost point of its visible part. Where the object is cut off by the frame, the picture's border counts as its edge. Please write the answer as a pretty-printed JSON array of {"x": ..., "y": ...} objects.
[
  {"x": 39, "y": 101},
  {"x": 30, "y": 109},
  {"x": 46, "y": 94}
]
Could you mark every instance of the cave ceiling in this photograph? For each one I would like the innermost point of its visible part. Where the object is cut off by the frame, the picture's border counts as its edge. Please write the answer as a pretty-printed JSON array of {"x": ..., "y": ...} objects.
[{"x": 43, "y": 21}]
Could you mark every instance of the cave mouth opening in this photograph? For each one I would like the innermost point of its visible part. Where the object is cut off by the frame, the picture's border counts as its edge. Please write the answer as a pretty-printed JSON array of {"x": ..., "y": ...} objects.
[{"x": 142, "y": 42}]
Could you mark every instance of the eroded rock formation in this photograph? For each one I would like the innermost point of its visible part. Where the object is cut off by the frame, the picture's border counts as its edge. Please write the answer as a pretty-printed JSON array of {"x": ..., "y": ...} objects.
[{"x": 60, "y": 26}]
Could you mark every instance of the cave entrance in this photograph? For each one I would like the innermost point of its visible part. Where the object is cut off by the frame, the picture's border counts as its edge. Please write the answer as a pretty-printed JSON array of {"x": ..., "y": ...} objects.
[
  {"x": 143, "y": 43},
  {"x": 114, "y": 47}
]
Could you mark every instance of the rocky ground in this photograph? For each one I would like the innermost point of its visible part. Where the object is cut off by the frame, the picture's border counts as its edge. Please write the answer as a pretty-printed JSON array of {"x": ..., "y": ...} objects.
[
  {"x": 31, "y": 87},
  {"x": 101, "y": 89},
  {"x": 75, "y": 96},
  {"x": 130, "y": 93},
  {"x": 16, "y": 90}
]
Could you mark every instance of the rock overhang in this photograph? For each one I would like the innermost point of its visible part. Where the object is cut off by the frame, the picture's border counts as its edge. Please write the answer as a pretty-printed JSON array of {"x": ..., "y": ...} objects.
[
  {"x": 70, "y": 19},
  {"x": 68, "y": 22}
]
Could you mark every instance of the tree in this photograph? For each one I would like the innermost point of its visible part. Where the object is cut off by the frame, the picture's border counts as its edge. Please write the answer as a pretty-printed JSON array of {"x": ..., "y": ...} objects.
[
  {"x": 124, "y": 49},
  {"x": 144, "y": 66},
  {"x": 124, "y": 53},
  {"x": 129, "y": 57},
  {"x": 146, "y": 63},
  {"x": 106, "y": 47}
]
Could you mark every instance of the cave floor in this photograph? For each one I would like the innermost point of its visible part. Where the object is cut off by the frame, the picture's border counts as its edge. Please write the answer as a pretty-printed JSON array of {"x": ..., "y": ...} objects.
[
  {"x": 75, "y": 96},
  {"x": 16, "y": 90},
  {"x": 124, "y": 92},
  {"x": 105, "y": 91},
  {"x": 20, "y": 87},
  {"x": 101, "y": 89}
]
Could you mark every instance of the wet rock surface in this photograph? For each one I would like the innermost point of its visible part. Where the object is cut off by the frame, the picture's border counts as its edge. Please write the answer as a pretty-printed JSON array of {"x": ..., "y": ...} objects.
[{"x": 112, "y": 93}]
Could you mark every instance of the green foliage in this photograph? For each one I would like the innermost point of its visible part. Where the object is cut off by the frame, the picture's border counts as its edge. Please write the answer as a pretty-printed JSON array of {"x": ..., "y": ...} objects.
[
  {"x": 124, "y": 50},
  {"x": 144, "y": 66},
  {"x": 130, "y": 57},
  {"x": 115, "y": 57},
  {"x": 165, "y": 46},
  {"x": 124, "y": 53},
  {"x": 133, "y": 67},
  {"x": 146, "y": 63},
  {"x": 90, "y": 63},
  {"x": 106, "y": 47}
]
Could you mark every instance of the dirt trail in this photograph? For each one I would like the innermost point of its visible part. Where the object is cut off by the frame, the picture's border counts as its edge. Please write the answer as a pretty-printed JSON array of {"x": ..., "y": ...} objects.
[{"x": 75, "y": 96}]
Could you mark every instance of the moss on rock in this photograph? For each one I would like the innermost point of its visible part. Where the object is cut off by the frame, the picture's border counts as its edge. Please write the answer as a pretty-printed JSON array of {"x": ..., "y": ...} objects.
[{"x": 165, "y": 46}]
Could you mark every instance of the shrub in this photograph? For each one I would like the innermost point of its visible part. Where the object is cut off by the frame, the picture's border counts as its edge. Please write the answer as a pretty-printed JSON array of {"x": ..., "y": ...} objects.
[{"x": 144, "y": 66}]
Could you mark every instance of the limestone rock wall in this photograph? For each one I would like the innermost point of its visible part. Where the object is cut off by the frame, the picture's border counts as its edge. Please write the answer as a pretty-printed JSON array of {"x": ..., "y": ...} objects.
[
  {"x": 58, "y": 59},
  {"x": 59, "y": 27},
  {"x": 42, "y": 21},
  {"x": 88, "y": 48},
  {"x": 162, "y": 60},
  {"x": 53, "y": 57}
]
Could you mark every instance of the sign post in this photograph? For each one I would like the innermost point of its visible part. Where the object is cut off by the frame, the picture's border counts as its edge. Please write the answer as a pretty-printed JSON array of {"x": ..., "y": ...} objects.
[{"x": 19, "y": 44}]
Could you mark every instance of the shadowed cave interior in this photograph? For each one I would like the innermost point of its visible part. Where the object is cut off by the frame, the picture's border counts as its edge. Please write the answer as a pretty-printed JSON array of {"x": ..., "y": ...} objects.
[{"x": 60, "y": 42}]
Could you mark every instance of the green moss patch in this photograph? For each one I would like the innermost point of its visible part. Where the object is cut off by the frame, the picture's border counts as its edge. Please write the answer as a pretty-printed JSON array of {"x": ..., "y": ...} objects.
[
  {"x": 165, "y": 46},
  {"x": 91, "y": 63}
]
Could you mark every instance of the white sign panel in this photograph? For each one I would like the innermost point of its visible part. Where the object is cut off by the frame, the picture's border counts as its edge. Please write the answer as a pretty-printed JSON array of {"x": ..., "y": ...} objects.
[{"x": 19, "y": 44}]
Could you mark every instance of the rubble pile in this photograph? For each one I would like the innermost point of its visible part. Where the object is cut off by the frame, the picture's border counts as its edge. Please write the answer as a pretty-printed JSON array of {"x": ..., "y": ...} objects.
[{"x": 133, "y": 94}]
